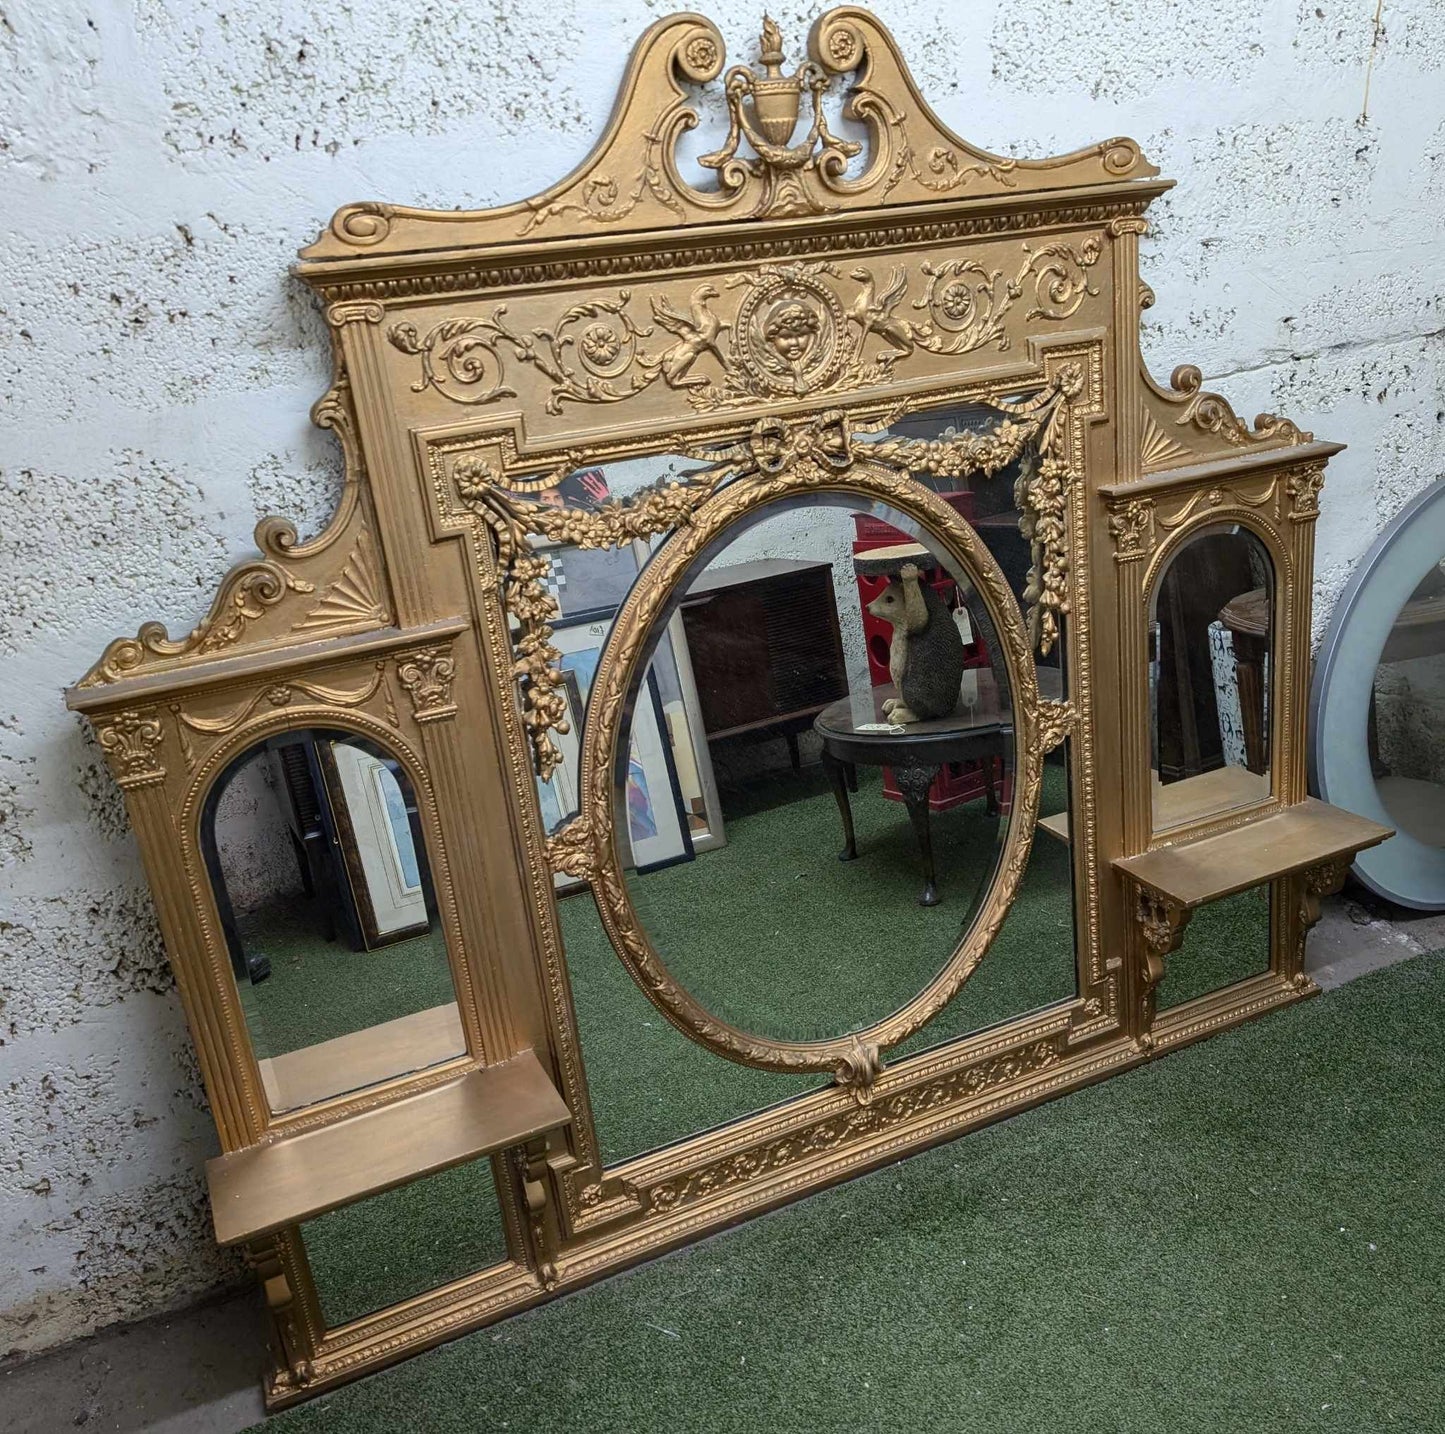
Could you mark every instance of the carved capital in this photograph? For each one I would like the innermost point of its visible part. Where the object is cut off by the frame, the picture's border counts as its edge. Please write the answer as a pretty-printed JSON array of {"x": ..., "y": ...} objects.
[
  {"x": 131, "y": 742},
  {"x": 1128, "y": 224},
  {"x": 355, "y": 311},
  {"x": 427, "y": 676},
  {"x": 1132, "y": 529},
  {"x": 1303, "y": 488}
]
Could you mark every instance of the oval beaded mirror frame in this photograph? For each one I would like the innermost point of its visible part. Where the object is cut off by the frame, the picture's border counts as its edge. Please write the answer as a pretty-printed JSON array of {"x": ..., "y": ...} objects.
[
  {"x": 1403, "y": 869},
  {"x": 853, "y": 1056}
]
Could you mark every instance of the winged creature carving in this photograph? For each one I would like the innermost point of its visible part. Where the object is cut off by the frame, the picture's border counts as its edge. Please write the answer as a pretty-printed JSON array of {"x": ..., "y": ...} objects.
[{"x": 697, "y": 333}]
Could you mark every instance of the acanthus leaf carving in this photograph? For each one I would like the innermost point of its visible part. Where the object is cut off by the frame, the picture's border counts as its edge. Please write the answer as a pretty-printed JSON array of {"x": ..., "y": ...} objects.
[
  {"x": 570, "y": 850},
  {"x": 795, "y": 332},
  {"x": 427, "y": 675},
  {"x": 1132, "y": 529},
  {"x": 851, "y": 1126},
  {"x": 131, "y": 741}
]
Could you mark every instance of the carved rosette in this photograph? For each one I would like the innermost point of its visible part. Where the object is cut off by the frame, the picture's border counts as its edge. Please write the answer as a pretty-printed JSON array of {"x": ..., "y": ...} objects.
[
  {"x": 131, "y": 741},
  {"x": 427, "y": 676}
]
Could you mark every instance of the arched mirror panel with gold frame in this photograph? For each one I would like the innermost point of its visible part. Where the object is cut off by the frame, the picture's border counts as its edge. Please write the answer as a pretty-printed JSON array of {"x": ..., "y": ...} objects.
[{"x": 706, "y": 522}]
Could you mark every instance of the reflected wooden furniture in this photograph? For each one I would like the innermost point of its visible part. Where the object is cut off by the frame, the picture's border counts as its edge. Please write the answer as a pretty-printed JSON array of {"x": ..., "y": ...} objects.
[
  {"x": 982, "y": 732},
  {"x": 766, "y": 318},
  {"x": 766, "y": 652},
  {"x": 1247, "y": 618}
]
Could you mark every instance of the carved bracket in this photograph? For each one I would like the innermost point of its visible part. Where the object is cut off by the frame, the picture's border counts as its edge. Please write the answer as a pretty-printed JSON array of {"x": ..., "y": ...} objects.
[
  {"x": 1161, "y": 924},
  {"x": 531, "y": 1163}
]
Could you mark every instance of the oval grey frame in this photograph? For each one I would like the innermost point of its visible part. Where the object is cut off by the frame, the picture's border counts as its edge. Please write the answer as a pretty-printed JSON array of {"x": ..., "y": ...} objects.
[{"x": 1403, "y": 869}]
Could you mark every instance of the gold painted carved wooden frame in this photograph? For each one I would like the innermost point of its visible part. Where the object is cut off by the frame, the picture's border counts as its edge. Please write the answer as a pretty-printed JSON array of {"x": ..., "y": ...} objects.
[{"x": 481, "y": 356}]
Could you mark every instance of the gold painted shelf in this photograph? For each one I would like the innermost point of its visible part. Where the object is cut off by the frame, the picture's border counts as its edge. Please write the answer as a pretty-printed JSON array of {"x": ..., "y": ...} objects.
[
  {"x": 1311, "y": 834},
  {"x": 295, "y": 1176}
]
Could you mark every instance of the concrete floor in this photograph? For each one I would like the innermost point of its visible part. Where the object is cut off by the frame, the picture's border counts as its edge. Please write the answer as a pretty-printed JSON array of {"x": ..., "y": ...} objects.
[{"x": 197, "y": 1372}]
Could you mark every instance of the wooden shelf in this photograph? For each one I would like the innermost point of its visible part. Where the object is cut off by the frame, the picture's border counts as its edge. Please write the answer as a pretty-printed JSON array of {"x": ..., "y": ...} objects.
[
  {"x": 377, "y": 1053},
  {"x": 1191, "y": 873},
  {"x": 1210, "y": 794},
  {"x": 295, "y": 1177},
  {"x": 1056, "y": 826}
]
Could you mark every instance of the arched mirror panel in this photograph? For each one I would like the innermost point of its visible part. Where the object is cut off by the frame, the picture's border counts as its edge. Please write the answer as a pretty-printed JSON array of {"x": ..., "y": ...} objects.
[
  {"x": 1211, "y": 672},
  {"x": 318, "y": 864}
]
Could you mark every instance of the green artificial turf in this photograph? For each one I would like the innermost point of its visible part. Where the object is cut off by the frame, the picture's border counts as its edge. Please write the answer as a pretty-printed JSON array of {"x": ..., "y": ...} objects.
[
  {"x": 1247, "y": 1235},
  {"x": 809, "y": 946},
  {"x": 320, "y": 989},
  {"x": 381, "y": 1251}
]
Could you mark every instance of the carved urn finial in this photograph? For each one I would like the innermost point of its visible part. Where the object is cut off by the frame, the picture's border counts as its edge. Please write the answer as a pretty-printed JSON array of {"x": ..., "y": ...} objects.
[{"x": 764, "y": 109}]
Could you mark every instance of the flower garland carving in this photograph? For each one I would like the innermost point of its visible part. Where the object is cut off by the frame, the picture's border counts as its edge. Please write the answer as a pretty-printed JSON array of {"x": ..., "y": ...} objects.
[{"x": 771, "y": 447}]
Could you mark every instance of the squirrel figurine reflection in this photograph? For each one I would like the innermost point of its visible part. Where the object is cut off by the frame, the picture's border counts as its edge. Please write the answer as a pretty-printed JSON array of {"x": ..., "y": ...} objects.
[{"x": 925, "y": 657}]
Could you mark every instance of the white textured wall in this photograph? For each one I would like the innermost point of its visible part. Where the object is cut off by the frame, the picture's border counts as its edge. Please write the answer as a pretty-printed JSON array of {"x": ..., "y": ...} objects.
[{"x": 162, "y": 160}]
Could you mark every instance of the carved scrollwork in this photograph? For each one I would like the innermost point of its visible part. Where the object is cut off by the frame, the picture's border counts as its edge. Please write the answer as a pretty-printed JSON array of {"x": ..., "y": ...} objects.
[
  {"x": 858, "y": 1071},
  {"x": 131, "y": 741},
  {"x": 780, "y": 157},
  {"x": 798, "y": 330},
  {"x": 965, "y": 304},
  {"x": 1212, "y": 414},
  {"x": 245, "y": 595},
  {"x": 427, "y": 676},
  {"x": 850, "y": 1126}
]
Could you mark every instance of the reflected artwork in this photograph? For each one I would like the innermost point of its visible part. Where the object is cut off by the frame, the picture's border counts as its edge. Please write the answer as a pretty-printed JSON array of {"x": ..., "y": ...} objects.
[{"x": 322, "y": 884}]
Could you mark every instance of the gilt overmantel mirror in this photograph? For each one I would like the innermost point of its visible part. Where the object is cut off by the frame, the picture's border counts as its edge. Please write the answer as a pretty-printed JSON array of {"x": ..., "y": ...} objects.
[{"x": 777, "y": 689}]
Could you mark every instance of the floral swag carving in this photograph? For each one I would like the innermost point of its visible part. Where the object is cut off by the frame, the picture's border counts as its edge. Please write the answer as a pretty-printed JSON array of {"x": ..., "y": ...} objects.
[{"x": 1032, "y": 430}]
